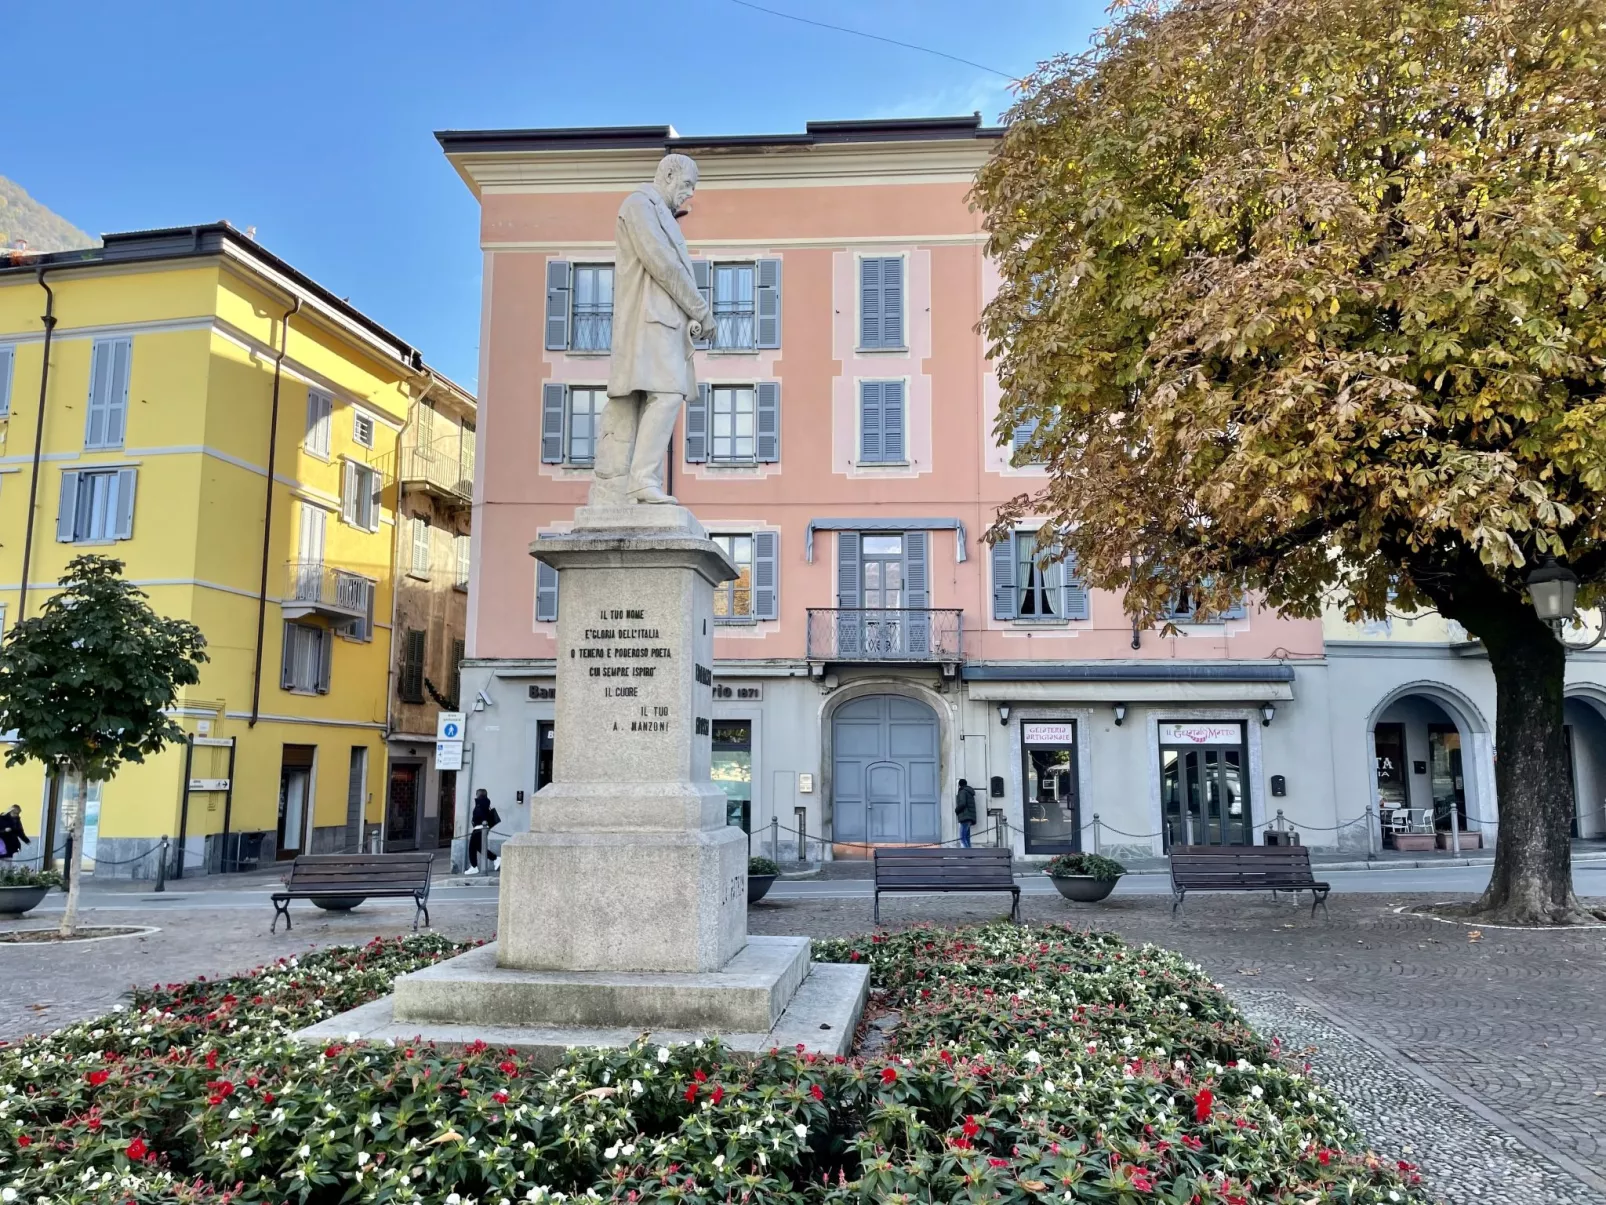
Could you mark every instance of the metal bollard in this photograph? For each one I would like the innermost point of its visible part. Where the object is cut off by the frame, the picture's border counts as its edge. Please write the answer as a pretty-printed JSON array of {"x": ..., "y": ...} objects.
[
  {"x": 1371, "y": 834},
  {"x": 1455, "y": 830},
  {"x": 66, "y": 864},
  {"x": 1279, "y": 820},
  {"x": 775, "y": 839},
  {"x": 161, "y": 867},
  {"x": 1095, "y": 832}
]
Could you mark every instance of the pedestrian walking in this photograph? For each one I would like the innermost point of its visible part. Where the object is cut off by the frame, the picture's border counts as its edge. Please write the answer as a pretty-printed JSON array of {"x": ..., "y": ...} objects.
[
  {"x": 12, "y": 837},
  {"x": 484, "y": 818},
  {"x": 965, "y": 811}
]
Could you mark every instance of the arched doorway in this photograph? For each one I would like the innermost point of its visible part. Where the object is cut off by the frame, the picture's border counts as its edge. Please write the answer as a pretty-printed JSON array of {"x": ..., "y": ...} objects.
[
  {"x": 884, "y": 771},
  {"x": 1585, "y": 717},
  {"x": 1429, "y": 748}
]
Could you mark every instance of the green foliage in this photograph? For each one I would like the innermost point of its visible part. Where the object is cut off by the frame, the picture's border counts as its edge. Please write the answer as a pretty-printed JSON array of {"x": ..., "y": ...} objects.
[
  {"x": 21, "y": 217},
  {"x": 1309, "y": 296},
  {"x": 88, "y": 682},
  {"x": 1093, "y": 865},
  {"x": 1031, "y": 1065},
  {"x": 762, "y": 866},
  {"x": 27, "y": 876}
]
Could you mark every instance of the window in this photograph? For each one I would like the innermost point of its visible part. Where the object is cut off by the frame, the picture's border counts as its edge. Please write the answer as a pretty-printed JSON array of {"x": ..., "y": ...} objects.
[
  {"x": 319, "y": 407},
  {"x": 569, "y": 423},
  {"x": 1184, "y": 607},
  {"x": 735, "y": 308},
  {"x": 411, "y": 683},
  {"x": 591, "y": 326},
  {"x": 420, "y": 559},
  {"x": 96, "y": 507},
  {"x": 308, "y": 651},
  {"x": 7, "y": 359},
  {"x": 883, "y": 585},
  {"x": 457, "y": 672},
  {"x": 881, "y": 303},
  {"x": 362, "y": 430},
  {"x": 359, "y": 503},
  {"x": 881, "y": 422},
  {"x": 108, "y": 393},
  {"x": 1019, "y": 438},
  {"x": 461, "y": 546},
  {"x": 734, "y": 599},
  {"x": 733, "y": 423},
  {"x": 1025, "y": 589}
]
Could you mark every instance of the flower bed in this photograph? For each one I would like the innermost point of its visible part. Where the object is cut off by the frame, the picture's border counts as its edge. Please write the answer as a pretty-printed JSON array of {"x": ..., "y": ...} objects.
[{"x": 1029, "y": 1065}]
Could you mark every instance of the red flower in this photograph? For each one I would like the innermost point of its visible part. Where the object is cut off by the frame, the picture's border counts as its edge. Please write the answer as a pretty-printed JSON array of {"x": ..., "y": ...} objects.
[
  {"x": 211, "y": 1060},
  {"x": 971, "y": 1128},
  {"x": 700, "y": 1076},
  {"x": 508, "y": 1067},
  {"x": 691, "y": 1093},
  {"x": 499, "y": 1097},
  {"x": 719, "y": 1093},
  {"x": 816, "y": 1092},
  {"x": 1192, "y": 1143},
  {"x": 331, "y": 1051},
  {"x": 889, "y": 1075},
  {"x": 946, "y": 1056},
  {"x": 1202, "y": 1103},
  {"x": 97, "y": 1078},
  {"x": 1323, "y": 1157},
  {"x": 1140, "y": 1179},
  {"x": 853, "y": 956},
  {"x": 995, "y": 1162},
  {"x": 136, "y": 1149},
  {"x": 24, "y": 1140},
  {"x": 268, "y": 1098}
]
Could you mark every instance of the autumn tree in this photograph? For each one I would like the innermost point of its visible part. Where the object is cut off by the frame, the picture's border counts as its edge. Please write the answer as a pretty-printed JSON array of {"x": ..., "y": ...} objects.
[
  {"x": 1306, "y": 297},
  {"x": 90, "y": 683}
]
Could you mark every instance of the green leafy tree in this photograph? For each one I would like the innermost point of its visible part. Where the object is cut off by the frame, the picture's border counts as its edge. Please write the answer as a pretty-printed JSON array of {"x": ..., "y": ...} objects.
[
  {"x": 89, "y": 683},
  {"x": 1306, "y": 297}
]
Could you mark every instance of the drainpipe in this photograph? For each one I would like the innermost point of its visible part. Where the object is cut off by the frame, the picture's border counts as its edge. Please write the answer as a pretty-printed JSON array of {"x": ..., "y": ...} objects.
[
  {"x": 267, "y": 510},
  {"x": 49, "y": 319}
]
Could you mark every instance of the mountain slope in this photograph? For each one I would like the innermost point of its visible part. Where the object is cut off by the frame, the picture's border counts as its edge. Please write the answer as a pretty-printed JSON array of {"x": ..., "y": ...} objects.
[{"x": 21, "y": 217}]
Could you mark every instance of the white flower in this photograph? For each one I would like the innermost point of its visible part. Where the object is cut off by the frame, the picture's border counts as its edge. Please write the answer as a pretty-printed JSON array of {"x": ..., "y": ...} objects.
[
  {"x": 1033, "y": 1057},
  {"x": 362, "y": 1158},
  {"x": 612, "y": 1152},
  {"x": 234, "y": 1115},
  {"x": 8, "y": 1194},
  {"x": 374, "y": 1120},
  {"x": 635, "y": 1087},
  {"x": 802, "y": 1130},
  {"x": 663, "y": 1054},
  {"x": 1257, "y": 1092},
  {"x": 453, "y": 1199},
  {"x": 245, "y": 1152},
  {"x": 1393, "y": 1196},
  {"x": 305, "y": 1152},
  {"x": 719, "y": 1160}
]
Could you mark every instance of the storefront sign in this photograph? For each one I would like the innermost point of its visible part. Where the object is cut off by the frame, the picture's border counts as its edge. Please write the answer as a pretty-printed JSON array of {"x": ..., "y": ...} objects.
[
  {"x": 752, "y": 693},
  {"x": 1058, "y": 733},
  {"x": 1201, "y": 734},
  {"x": 542, "y": 694},
  {"x": 209, "y": 784}
]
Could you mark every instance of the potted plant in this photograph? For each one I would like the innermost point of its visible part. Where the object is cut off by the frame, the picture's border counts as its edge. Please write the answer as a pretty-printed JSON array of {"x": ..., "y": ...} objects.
[
  {"x": 761, "y": 873},
  {"x": 1085, "y": 878},
  {"x": 22, "y": 888}
]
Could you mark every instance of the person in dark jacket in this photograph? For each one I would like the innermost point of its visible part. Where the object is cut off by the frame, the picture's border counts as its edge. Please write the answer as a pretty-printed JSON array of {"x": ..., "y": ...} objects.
[
  {"x": 965, "y": 811},
  {"x": 484, "y": 817},
  {"x": 12, "y": 838}
]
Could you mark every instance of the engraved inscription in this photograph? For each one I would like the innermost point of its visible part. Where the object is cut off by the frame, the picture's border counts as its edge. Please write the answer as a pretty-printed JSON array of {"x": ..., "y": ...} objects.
[
  {"x": 702, "y": 726},
  {"x": 622, "y": 653},
  {"x": 705, "y": 675}
]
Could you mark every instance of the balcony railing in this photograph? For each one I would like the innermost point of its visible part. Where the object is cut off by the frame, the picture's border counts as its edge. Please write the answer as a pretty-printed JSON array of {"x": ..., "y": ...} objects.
[
  {"x": 593, "y": 328},
  {"x": 734, "y": 327},
  {"x": 447, "y": 476},
  {"x": 872, "y": 634},
  {"x": 316, "y": 589}
]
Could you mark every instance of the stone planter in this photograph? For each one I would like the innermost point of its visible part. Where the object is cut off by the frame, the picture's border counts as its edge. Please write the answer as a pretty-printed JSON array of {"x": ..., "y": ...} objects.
[
  {"x": 1468, "y": 841},
  {"x": 1083, "y": 888},
  {"x": 1417, "y": 842},
  {"x": 339, "y": 903},
  {"x": 14, "y": 901},
  {"x": 758, "y": 886}
]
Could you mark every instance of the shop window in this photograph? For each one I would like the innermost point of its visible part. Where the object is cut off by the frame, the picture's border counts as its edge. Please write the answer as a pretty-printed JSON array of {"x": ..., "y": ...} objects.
[
  {"x": 1052, "y": 802},
  {"x": 731, "y": 769}
]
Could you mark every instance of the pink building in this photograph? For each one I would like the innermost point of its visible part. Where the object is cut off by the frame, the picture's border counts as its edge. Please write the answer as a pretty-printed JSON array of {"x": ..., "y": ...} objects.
[{"x": 875, "y": 651}]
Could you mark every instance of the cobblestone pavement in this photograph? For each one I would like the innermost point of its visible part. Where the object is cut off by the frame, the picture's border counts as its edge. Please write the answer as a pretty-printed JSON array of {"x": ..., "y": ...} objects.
[{"x": 1484, "y": 1059}]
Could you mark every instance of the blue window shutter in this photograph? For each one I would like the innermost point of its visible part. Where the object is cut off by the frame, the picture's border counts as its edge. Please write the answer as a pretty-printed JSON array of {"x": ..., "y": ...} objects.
[
  {"x": 557, "y": 305},
  {"x": 7, "y": 359},
  {"x": 766, "y": 600},
  {"x": 768, "y": 429},
  {"x": 1238, "y": 610},
  {"x": 1004, "y": 578},
  {"x": 119, "y": 356},
  {"x": 892, "y": 302},
  {"x": 1078, "y": 602},
  {"x": 870, "y": 422},
  {"x": 769, "y": 304},
  {"x": 869, "y": 303},
  {"x": 546, "y": 593},
  {"x": 67, "y": 509},
  {"x": 703, "y": 273},
  {"x": 553, "y": 395},
  {"x": 1022, "y": 435},
  {"x": 892, "y": 448},
  {"x": 126, "y": 479},
  {"x": 917, "y": 589},
  {"x": 848, "y": 597},
  {"x": 287, "y": 645},
  {"x": 100, "y": 380},
  {"x": 697, "y": 425}
]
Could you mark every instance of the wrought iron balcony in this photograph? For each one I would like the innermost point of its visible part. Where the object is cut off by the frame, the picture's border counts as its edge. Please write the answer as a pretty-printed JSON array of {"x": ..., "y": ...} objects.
[
  {"x": 316, "y": 589},
  {"x": 447, "y": 476},
  {"x": 918, "y": 634}
]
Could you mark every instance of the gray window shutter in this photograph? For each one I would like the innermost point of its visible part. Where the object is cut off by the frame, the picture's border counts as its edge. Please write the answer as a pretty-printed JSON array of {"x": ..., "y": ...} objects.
[
  {"x": 869, "y": 303},
  {"x": 557, "y": 305},
  {"x": 703, "y": 273},
  {"x": 553, "y": 395},
  {"x": 100, "y": 386},
  {"x": 892, "y": 448},
  {"x": 870, "y": 421},
  {"x": 7, "y": 359},
  {"x": 892, "y": 302},
  {"x": 1238, "y": 610},
  {"x": 287, "y": 676},
  {"x": 126, "y": 479},
  {"x": 1078, "y": 602},
  {"x": 766, "y": 601},
  {"x": 1004, "y": 578},
  {"x": 917, "y": 588},
  {"x": 348, "y": 494},
  {"x": 1023, "y": 434},
  {"x": 697, "y": 426},
  {"x": 848, "y": 596},
  {"x": 326, "y": 658},
  {"x": 769, "y": 304},
  {"x": 768, "y": 405},
  {"x": 546, "y": 593},
  {"x": 67, "y": 510},
  {"x": 377, "y": 484}
]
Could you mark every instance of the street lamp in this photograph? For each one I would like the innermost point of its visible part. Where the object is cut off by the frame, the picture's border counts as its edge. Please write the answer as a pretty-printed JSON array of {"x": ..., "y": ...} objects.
[
  {"x": 1267, "y": 711},
  {"x": 1554, "y": 589},
  {"x": 1003, "y": 714},
  {"x": 1120, "y": 713}
]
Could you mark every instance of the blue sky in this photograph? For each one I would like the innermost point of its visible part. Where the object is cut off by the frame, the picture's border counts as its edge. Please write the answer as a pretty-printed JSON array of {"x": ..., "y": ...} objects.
[{"x": 313, "y": 121}]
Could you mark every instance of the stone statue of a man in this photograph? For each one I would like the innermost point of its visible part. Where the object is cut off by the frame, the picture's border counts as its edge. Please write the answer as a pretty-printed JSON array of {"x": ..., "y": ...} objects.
[{"x": 657, "y": 315}]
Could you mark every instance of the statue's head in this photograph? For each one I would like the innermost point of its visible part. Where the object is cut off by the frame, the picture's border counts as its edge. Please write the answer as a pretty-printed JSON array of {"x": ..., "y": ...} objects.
[{"x": 676, "y": 179}]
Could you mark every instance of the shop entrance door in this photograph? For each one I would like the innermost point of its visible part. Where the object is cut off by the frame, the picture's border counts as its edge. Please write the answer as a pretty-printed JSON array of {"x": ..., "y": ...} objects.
[
  {"x": 401, "y": 808},
  {"x": 1204, "y": 795},
  {"x": 1052, "y": 803}
]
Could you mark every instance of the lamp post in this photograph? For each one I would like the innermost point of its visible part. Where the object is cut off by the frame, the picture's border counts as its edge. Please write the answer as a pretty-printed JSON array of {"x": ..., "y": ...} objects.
[{"x": 1554, "y": 590}]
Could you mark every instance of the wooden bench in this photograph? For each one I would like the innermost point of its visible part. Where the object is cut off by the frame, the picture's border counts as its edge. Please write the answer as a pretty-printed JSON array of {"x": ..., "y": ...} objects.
[
  {"x": 331, "y": 877},
  {"x": 1270, "y": 868},
  {"x": 938, "y": 869}
]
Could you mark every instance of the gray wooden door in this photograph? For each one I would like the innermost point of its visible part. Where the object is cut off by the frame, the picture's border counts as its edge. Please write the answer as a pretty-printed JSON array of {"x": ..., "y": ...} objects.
[{"x": 885, "y": 776}]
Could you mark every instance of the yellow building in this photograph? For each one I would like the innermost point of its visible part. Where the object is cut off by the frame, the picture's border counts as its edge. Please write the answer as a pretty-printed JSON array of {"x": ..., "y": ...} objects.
[{"x": 181, "y": 364}]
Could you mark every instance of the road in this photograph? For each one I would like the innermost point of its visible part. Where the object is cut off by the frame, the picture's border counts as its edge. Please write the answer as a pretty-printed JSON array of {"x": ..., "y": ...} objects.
[{"x": 1589, "y": 879}]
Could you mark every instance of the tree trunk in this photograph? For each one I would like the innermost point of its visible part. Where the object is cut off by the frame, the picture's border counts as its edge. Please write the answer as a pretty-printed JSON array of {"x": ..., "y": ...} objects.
[
  {"x": 75, "y": 868},
  {"x": 1532, "y": 881}
]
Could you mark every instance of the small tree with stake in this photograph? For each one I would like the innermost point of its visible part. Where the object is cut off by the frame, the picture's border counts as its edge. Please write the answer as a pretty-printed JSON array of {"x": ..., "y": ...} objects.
[
  {"x": 88, "y": 684},
  {"x": 1309, "y": 297}
]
